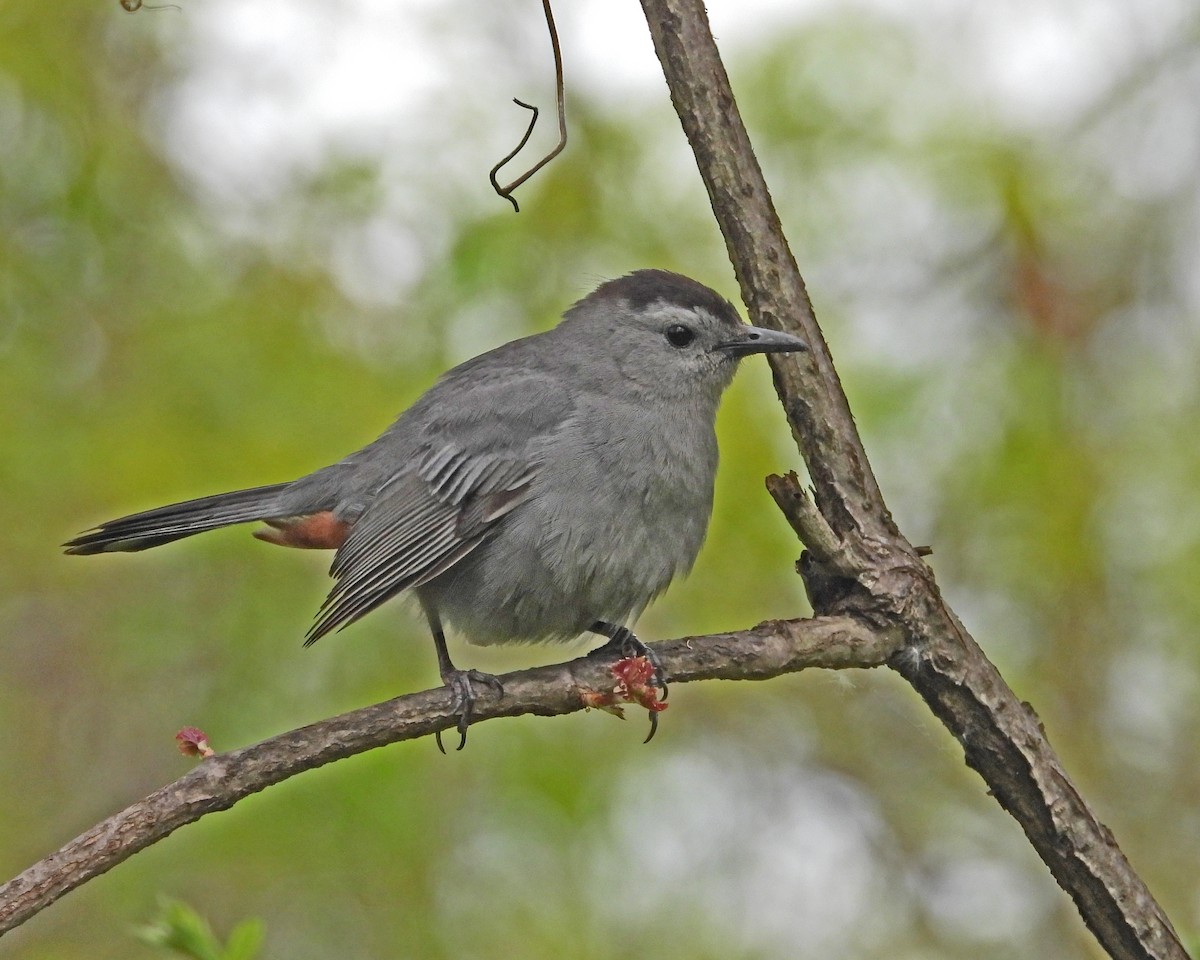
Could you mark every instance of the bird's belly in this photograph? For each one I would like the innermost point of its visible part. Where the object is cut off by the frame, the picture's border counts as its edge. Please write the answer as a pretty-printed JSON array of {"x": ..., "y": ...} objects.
[{"x": 573, "y": 554}]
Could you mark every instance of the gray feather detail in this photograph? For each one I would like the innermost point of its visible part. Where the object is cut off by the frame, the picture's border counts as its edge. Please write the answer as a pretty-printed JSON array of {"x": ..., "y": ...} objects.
[
  {"x": 152, "y": 528},
  {"x": 417, "y": 526}
]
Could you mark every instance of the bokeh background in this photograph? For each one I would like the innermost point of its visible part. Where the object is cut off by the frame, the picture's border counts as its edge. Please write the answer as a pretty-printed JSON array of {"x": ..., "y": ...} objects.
[{"x": 238, "y": 236}]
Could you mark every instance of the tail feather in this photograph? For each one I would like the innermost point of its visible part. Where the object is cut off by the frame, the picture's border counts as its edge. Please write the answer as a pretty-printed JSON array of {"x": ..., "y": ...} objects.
[{"x": 151, "y": 528}]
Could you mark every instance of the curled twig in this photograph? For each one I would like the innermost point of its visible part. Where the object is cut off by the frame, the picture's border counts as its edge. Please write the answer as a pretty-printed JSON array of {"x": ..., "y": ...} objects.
[
  {"x": 133, "y": 6},
  {"x": 561, "y": 104}
]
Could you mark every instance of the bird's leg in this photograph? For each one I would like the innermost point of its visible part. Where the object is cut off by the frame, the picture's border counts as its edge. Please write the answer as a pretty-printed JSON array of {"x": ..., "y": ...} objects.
[{"x": 459, "y": 682}]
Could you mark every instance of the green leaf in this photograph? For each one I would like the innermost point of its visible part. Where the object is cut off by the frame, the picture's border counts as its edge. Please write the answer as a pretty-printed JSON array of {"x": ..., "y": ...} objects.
[
  {"x": 245, "y": 941},
  {"x": 181, "y": 930}
]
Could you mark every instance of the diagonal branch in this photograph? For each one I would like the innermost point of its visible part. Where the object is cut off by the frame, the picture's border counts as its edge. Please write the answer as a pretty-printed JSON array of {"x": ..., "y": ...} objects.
[
  {"x": 878, "y": 575},
  {"x": 768, "y": 650}
]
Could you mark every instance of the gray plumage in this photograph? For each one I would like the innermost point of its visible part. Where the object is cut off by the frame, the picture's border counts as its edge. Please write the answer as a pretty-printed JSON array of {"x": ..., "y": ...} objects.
[{"x": 559, "y": 480}]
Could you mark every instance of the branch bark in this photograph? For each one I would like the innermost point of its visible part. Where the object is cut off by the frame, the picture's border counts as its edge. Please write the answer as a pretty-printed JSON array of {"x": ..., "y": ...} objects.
[
  {"x": 869, "y": 570},
  {"x": 768, "y": 650}
]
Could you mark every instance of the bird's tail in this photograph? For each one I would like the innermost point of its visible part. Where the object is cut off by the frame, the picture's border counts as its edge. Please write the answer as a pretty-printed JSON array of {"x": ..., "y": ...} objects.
[{"x": 151, "y": 528}]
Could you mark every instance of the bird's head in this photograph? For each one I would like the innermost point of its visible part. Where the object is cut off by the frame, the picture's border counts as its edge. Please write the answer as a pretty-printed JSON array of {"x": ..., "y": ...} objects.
[{"x": 664, "y": 333}]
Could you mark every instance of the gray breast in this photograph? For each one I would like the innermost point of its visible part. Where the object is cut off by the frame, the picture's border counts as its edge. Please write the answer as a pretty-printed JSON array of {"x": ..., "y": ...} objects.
[{"x": 619, "y": 508}]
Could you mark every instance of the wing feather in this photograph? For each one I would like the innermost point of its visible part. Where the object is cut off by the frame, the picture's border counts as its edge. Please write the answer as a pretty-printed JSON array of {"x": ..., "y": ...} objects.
[
  {"x": 416, "y": 527},
  {"x": 456, "y": 481}
]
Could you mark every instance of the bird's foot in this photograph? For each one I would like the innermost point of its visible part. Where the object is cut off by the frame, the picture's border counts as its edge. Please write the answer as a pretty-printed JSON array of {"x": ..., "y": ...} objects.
[
  {"x": 462, "y": 690},
  {"x": 623, "y": 643}
]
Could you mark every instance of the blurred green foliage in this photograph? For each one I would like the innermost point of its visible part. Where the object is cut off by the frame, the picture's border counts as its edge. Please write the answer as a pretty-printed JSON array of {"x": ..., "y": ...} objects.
[
  {"x": 1013, "y": 307},
  {"x": 179, "y": 930}
]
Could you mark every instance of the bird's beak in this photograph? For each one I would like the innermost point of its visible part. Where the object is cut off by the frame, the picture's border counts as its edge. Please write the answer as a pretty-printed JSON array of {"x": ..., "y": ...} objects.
[{"x": 760, "y": 340}]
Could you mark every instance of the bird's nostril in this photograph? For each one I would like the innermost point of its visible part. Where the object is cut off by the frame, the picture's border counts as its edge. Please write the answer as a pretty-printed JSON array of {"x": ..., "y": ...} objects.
[{"x": 754, "y": 336}]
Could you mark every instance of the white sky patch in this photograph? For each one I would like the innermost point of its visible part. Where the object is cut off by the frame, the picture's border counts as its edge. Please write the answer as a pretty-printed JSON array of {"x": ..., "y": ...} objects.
[
  {"x": 274, "y": 93},
  {"x": 270, "y": 88},
  {"x": 782, "y": 859}
]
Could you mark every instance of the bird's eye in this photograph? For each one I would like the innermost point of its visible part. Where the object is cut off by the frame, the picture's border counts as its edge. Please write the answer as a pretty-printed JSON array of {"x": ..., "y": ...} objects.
[{"x": 680, "y": 336}]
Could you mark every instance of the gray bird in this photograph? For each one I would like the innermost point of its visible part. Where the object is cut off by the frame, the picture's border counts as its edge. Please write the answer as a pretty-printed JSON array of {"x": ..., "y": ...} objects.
[{"x": 547, "y": 488}]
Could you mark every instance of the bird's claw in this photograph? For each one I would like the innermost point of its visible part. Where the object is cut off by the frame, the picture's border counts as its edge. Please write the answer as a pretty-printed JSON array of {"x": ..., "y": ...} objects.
[
  {"x": 463, "y": 697},
  {"x": 624, "y": 643},
  {"x": 653, "y": 724}
]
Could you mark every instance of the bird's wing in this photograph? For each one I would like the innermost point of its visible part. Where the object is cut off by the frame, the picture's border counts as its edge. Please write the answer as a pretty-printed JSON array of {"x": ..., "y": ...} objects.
[{"x": 476, "y": 465}]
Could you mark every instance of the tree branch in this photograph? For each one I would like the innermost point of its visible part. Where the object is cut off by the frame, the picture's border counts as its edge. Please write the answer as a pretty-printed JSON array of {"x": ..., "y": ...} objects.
[
  {"x": 878, "y": 575},
  {"x": 768, "y": 650}
]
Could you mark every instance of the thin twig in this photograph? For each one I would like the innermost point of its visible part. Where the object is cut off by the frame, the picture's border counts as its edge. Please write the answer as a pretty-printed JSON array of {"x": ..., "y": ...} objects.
[
  {"x": 561, "y": 102},
  {"x": 806, "y": 520},
  {"x": 133, "y": 6},
  {"x": 505, "y": 191}
]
